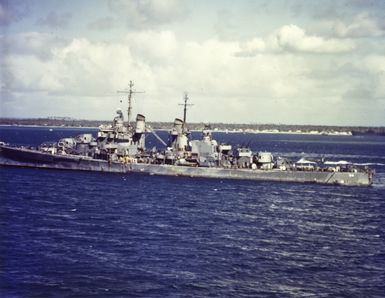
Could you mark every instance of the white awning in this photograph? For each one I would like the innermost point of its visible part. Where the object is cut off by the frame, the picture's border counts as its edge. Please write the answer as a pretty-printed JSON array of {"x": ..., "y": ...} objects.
[{"x": 304, "y": 161}]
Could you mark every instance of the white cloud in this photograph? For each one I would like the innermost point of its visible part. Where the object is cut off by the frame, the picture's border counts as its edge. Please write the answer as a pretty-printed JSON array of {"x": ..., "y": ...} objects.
[
  {"x": 252, "y": 47},
  {"x": 162, "y": 65},
  {"x": 158, "y": 47},
  {"x": 292, "y": 37},
  {"x": 31, "y": 74},
  {"x": 362, "y": 25},
  {"x": 275, "y": 84}
]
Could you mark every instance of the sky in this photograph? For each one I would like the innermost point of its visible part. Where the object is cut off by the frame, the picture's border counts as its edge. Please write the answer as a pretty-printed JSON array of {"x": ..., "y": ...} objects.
[{"x": 244, "y": 61}]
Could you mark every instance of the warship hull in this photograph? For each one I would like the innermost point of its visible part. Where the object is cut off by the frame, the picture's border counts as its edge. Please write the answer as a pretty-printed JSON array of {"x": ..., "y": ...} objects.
[{"x": 22, "y": 157}]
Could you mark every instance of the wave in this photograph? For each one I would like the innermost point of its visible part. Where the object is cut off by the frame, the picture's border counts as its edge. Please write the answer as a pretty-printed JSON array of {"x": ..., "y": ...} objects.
[{"x": 370, "y": 164}]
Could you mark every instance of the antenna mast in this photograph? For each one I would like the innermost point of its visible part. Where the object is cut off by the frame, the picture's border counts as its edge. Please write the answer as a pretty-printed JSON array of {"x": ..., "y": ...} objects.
[
  {"x": 185, "y": 104},
  {"x": 130, "y": 92}
]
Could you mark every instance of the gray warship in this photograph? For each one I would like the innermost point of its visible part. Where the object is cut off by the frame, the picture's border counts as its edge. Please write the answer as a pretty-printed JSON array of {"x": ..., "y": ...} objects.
[{"x": 120, "y": 148}]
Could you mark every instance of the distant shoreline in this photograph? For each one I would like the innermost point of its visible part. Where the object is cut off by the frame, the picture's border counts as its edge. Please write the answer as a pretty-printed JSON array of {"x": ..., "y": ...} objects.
[{"x": 220, "y": 127}]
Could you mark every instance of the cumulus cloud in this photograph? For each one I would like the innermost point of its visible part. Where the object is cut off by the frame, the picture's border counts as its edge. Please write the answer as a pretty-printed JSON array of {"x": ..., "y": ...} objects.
[
  {"x": 362, "y": 25},
  {"x": 154, "y": 47},
  {"x": 102, "y": 24},
  {"x": 252, "y": 47},
  {"x": 165, "y": 67},
  {"x": 293, "y": 38},
  {"x": 146, "y": 13},
  {"x": 269, "y": 86},
  {"x": 55, "y": 20}
]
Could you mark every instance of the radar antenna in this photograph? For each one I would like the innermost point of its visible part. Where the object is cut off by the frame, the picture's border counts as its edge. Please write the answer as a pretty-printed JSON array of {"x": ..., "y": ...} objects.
[
  {"x": 129, "y": 92},
  {"x": 185, "y": 104}
]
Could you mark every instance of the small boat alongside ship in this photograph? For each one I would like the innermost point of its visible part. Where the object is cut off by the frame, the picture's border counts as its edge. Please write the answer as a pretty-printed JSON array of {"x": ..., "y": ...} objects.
[{"x": 120, "y": 148}]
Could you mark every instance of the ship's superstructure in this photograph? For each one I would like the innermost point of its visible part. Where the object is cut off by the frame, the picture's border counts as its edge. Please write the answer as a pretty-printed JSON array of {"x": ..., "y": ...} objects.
[
  {"x": 113, "y": 142},
  {"x": 120, "y": 147}
]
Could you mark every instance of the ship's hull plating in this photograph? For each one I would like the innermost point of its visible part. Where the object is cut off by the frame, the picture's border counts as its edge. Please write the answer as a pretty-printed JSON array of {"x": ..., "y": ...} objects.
[{"x": 11, "y": 156}]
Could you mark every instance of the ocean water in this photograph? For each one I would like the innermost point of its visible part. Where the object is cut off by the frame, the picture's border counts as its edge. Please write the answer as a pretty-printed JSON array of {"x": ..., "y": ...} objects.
[{"x": 84, "y": 234}]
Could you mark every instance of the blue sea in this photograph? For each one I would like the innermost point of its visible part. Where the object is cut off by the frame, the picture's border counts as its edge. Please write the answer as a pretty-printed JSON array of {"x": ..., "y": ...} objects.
[{"x": 86, "y": 234}]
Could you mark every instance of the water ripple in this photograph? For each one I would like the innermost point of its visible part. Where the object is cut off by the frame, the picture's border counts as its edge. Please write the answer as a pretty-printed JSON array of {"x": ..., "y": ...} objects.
[{"x": 146, "y": 236}]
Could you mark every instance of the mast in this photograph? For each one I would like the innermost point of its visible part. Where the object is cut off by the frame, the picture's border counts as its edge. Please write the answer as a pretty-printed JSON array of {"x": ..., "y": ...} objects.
[
  {"x": 129, "y": 92},
  {"x": 185, "y": 104}
]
